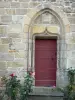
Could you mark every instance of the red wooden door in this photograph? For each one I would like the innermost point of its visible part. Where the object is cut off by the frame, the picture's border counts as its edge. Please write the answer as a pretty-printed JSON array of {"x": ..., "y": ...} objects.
[{"x": 45, "y": 62}]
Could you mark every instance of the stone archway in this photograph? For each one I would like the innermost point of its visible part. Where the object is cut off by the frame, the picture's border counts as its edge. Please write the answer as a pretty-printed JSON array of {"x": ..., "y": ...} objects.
[{"x": 30, "y": 28}]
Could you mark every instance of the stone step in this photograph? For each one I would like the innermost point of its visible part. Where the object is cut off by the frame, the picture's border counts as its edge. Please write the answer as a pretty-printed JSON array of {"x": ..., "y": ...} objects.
[
  {"x": 46, "y": 91},
  {"x": 37, "y": 97}
]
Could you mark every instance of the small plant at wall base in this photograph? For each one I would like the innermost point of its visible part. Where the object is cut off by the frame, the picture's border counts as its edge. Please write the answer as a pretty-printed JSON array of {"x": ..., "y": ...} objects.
[{"x": 69, "y": 90}]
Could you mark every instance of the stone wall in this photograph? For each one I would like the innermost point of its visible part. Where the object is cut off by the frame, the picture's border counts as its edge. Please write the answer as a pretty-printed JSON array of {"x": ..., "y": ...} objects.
[{"x": 14, "y": 37}]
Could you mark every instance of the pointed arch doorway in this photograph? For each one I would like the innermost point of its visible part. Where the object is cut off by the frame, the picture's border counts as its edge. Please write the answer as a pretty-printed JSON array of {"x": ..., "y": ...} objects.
[{"x": 46, "y": 18}]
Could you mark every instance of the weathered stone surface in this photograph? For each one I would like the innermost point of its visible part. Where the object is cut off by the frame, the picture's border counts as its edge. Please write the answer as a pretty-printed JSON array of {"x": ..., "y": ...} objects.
[
  {"x": 72, "y": 28},
  {"x": 42, "y": 97},
  {"x": 3, "y": 72},
  {"x": 15, "y": 4},
  {"x": 21, "y": 11},
  {"x": 21, "y": 54},
  {"x": 2, "y": 11},
  {"x": 67, "y": 4},
  {"x": 69, "y": 10},
  {"x": 15, "y": 28},
  {"x": 10, "y": 11},
  {"x": 14, "y": 35},
  {"x": 2, "y": 65},
  {"x": 24, "y": 5},
  {"x": 4, "y": 5},
  {"x": 73, "y": 5},
  {"x": 16, "y": 64},
  {"x": 16, "y": 39},
  {"x": 6, "y": 57},
  {"x": 4, "y": 48},
  {"x": 20, "y": 46},
  {"x": 6, "y": 40},
  {"x": 3, "y": 30},
  {"x": 19, "y": 71},
  {"x": 71, "y": 46},
  {"x": 6, "y": 19},
  {"x": 72, "y": 20},
  {"x": 33, "y": 4},
  {"x": 18, "y": 19},
  {"x": 72, "y": 1}
]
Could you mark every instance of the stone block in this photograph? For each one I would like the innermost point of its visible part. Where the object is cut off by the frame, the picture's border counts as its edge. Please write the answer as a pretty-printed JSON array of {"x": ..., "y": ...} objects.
[
  {"x": 38, "y": 29},
  {"x": 73, "y": 15},
  {"x": 16, "y": 39},
  {"x": 3, "y": 30},
  {"x": 6, "y": 19},
  {"x": 72, "y": 1},
  {"x": 4, "y": 48},
  {"x": 72, "y": 20},
  {"x": 21, "y": 54},
  {"x": 6, "y": 57},
  {"x": 21, "y": 11},
  {"x": 72, "y": 29},
  {"x": 2, "y": 65},
  {"x": 15, "y": 28},
  {"x": 10, "y": 11},
  {"x": 68, "y": 10},
  {"x": 4, "y": 5},
  {"x": 3, "y": 72},
  {"x": 14, "y": 35},
  {"x": 73, "y": 5},
  {"x": 15, "y": 4},
  {"x": 2, "y": 11},
  {"x": 6, "y": 40},
  {"x": 15, "y": 64},
  {"x": 53, "y": 29},
  {"x": 33, "y": 4},
  {"x": 20, "y": 46},
  {"x": 18, "y": 19},
  {"x": 67, "y": 4},
  {"x": 24, "y": 5},
  {"x": 19, "y": 71}
]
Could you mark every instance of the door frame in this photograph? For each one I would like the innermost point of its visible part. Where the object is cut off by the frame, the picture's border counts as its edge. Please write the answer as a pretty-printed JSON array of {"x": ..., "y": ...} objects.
[{"x": 45, "y": 35}]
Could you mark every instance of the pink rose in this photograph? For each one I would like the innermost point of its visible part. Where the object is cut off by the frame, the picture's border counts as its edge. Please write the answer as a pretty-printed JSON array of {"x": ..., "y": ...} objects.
[{"x": 12, "y": 75}]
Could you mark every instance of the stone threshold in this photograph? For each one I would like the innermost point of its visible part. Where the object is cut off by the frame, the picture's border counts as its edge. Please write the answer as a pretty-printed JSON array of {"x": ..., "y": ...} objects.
[{"x": 46, "y": 91}]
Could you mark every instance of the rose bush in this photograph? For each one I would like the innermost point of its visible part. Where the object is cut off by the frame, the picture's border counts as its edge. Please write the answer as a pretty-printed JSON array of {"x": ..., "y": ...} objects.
[{"x": 14, "y": 90}]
